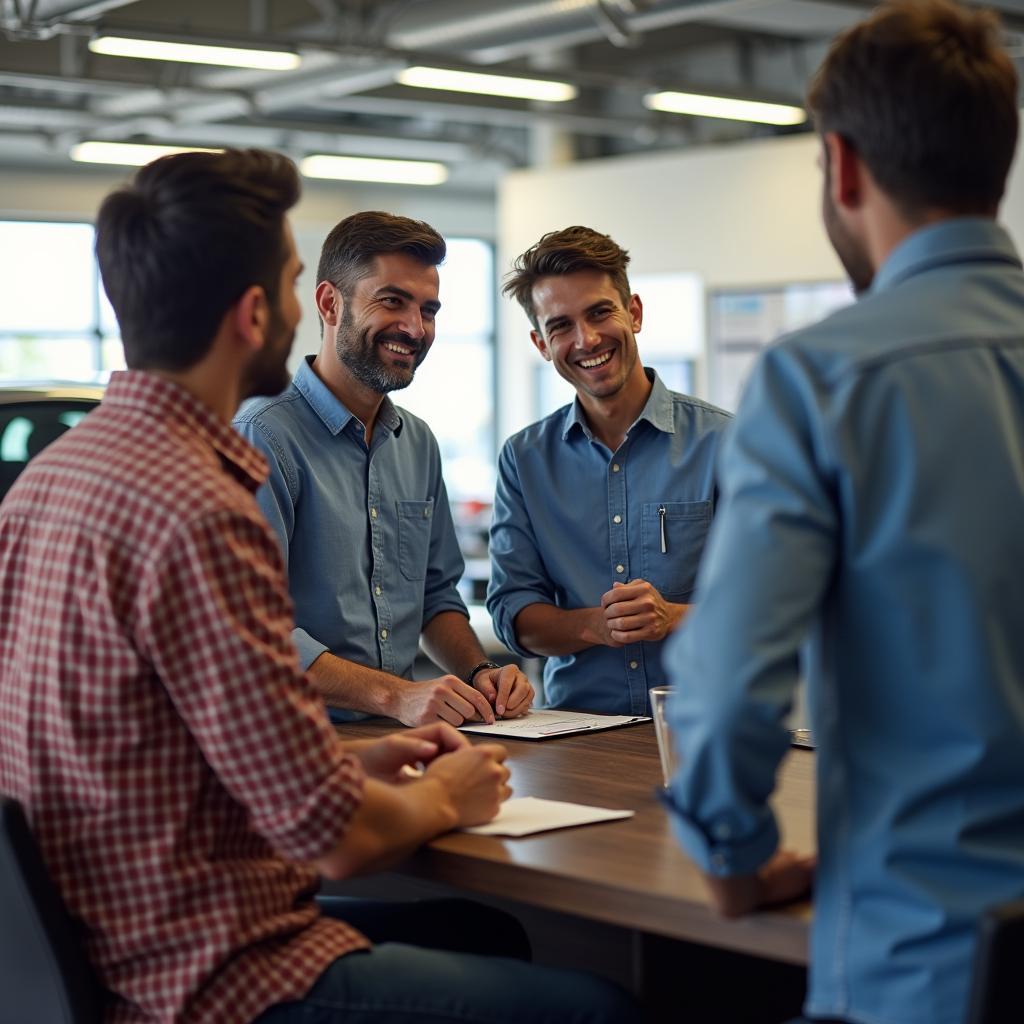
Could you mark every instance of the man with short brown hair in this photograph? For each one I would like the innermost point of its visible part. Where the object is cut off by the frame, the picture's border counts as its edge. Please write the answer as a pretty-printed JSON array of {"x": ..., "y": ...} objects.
[
  {"x": 357, "y": 498},
  {"x": 602, "y": 507},
  {"x": 870, "y": 531}
]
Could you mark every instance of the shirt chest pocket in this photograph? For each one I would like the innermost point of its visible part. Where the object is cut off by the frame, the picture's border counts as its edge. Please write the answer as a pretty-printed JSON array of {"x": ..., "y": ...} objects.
[
  {"x": 672, "y": 535},
  {"x": 414, "y": 522}
]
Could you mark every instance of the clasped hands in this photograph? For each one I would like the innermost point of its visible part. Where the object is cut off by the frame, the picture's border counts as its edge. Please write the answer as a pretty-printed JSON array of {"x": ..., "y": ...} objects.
[
  {"x": 498, "y": 692},
  {"x": 635, "y": 611}
]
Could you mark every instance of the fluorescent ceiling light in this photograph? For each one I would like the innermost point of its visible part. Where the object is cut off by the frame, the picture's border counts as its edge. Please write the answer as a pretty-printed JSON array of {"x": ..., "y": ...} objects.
[
  {"x": 722, "y": 106},
  {"x": 133, "y": 154},
  {"x": 488, "y": 85},
  {"x": 362, "y": 168},
  {"x": 195, "y": 53}
]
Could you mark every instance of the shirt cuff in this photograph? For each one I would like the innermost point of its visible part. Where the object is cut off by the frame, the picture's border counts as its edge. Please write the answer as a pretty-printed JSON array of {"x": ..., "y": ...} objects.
[
  {"x": 309, "y": 649},
  {"x": 448, "y": 601},
  {"x": 504, "y": 616},
  {"x": 721, "y": 849}
]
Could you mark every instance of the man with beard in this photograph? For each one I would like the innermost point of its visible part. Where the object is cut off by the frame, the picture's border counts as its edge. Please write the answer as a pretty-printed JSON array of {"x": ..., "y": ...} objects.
[
  {"x": 602, "y": 507},
  {"x": 872, "y": 502},
  {"x": 356, "y": 496},
  {"x": 178, "y": 770}
]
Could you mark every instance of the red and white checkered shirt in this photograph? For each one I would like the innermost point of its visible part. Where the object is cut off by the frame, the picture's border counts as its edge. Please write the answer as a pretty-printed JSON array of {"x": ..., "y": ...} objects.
[{"x": 176, "y": 766}]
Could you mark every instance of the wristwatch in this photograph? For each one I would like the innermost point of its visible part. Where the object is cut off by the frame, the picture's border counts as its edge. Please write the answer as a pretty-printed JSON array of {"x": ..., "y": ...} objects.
[{"x": 471, "y": 674}]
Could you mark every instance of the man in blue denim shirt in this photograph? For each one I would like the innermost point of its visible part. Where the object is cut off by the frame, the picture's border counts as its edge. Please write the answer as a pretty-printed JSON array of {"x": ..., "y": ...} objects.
[
  {"x": 356, "y": 496},
  {"x": 872, "y": 504},
  {"x": 601, "y": 508}
]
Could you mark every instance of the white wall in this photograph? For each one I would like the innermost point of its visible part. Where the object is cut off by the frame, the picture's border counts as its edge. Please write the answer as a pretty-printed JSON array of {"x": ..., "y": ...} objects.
[
  {"x": 737, "y": 215},
  {"x": 76, "y": 195}
]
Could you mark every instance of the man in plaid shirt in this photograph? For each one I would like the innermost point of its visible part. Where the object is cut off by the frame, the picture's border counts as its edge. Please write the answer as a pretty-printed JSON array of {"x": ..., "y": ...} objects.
[{"x": 179, "y": 773}]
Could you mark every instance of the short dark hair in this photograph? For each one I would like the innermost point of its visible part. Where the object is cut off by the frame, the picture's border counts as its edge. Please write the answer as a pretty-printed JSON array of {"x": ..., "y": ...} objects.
[
  {"x": 565, "y": 252},
  {"x": 183, "y": 240},
  {"x": 349, "y": 250},
  {"x": 925, "y": 93}
]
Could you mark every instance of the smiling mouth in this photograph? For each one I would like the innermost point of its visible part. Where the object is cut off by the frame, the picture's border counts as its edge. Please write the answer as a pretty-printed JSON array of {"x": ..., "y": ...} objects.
[
  {"x": 399, "y": 350},
  {"x": 589, "y": 364}
]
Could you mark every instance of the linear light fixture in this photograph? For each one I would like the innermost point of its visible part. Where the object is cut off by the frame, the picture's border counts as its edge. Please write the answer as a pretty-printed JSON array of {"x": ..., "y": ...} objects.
[
  {"x": 195, "y": 53},
  {"x": 488, "y": 85},
  {"x": 132, "y": 154},
  {"x": 723, "y": 106},
  {"x": 363, "y": 168}
]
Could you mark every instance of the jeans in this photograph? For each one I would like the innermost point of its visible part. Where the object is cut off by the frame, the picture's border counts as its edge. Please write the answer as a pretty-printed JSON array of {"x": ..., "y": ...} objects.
[{"x": 399, "y": 983}]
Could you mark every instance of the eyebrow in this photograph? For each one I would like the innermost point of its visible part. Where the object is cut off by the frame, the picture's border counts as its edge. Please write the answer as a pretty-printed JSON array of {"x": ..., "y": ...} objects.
[
  {"x": 553, "y": 321},
  {"x": 393, "y": 289}
]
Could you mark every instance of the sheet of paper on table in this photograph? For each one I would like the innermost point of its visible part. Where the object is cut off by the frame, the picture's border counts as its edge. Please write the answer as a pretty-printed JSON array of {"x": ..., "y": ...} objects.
[
  {"x": 528, "y": 814},
  {"x": 543, "y": 725}
]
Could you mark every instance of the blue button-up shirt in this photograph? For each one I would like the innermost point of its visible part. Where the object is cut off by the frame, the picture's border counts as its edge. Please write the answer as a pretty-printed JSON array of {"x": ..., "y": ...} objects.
[
  {"x": 873, "y": 505},
  {"x": 367, "y": 532},
  {"x": 571, "y": 518}
]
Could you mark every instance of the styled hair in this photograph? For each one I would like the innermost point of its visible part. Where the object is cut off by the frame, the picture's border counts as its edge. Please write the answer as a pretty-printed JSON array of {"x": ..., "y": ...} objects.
[
  {"x": 354, "y": 243},
  {"x": 926, "y": 94},
  {"x": 566, "y": 252},
  {"x": 183, "y": 240}
]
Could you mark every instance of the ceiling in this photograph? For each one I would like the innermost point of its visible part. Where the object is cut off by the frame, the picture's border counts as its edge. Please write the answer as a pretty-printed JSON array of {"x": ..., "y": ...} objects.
[{"x": 343, "y": 99}]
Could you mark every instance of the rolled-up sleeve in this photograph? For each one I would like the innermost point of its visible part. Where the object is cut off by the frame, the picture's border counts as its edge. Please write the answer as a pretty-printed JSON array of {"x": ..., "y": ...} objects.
[
  {"x": 518, "y": 576},
  {"x": 734, "y": 665},
  {"x": 445, "y": 564}
]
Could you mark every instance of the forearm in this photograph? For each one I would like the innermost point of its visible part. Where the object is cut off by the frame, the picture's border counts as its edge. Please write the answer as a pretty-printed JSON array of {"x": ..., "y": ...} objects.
[
  {"x": 355, "y": 687},
  {"x": 391, "y": 822},
  {"x": 549, "y": 631},
  {"x": 451, "y": 644}
]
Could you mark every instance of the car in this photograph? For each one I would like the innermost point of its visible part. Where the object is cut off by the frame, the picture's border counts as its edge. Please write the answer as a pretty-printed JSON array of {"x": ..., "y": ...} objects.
[{"x": 32, "y": 414}]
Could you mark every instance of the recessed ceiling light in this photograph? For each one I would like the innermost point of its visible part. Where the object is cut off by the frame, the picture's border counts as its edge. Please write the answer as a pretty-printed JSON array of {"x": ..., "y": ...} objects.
[
  {"x": 195, "y": 53},
  {"x": 721, "y": 106},
  {"x": 362, "y": 168},
  {"x": 488, "y": 85},
  {"x": 132, "y": 154}
]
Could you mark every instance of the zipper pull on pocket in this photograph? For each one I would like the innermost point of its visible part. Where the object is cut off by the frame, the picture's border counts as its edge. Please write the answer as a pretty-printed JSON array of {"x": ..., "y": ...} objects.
[{"x": 661, "y": 519}]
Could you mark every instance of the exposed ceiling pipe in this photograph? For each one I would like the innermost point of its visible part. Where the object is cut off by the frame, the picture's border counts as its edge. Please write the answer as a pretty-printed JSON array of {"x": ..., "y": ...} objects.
[{"x": 48, "y": 18}]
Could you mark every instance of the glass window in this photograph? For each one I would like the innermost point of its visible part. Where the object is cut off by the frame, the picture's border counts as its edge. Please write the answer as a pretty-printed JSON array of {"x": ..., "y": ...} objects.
[
  {"x": 454, "y": 390},
  {"x": 55, "y": 322}
]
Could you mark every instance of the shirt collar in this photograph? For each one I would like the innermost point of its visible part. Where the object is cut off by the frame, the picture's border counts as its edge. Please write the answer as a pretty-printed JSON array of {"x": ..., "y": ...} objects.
[
  {"x": 331, "y": 410},
  {"x": 657, "y": 410},
  {"x": 154, "y": 395},
  {"x": 958, "y": 240}
]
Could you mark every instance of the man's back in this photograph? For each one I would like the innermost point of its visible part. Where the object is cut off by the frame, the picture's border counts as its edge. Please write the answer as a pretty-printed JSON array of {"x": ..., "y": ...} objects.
[
  {"x": 143, "y": 622},
  {"x": 873, "y": 491}
]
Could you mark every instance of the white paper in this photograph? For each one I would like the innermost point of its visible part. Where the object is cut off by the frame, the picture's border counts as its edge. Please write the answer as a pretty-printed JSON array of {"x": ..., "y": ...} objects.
[
  {"x": 528, "y": 814},
  {"x": 543, "y": 725}
]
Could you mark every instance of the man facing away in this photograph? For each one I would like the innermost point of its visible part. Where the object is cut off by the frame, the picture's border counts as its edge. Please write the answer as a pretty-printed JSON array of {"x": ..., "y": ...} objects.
[
  {"x": 356, "y": 496},
  {"x": 872, "y": 502},
  {"x": 602, "y": 508},
  {"x": 178, "y": 771}
]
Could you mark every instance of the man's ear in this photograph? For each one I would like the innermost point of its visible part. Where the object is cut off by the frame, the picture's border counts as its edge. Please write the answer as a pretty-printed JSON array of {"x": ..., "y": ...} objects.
[
  {"x": 541, "y": 345},
  {"x": 252, "y": 317},
  {"x": 636, "y": 312},
  {"x": 329, "y": 303},
  {"x": 845, "y": 172}
]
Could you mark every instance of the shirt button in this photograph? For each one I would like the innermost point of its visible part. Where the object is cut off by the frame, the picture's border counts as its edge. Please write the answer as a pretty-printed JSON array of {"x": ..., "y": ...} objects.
[
  {"x": 620, "y": 569},
  {"x": 718, "y": 861},
  {"x": 634, "y": 664},
  {"x": 616, "y": 519},
  {"x": 373, "y": 513},
  {"x": 383, "y": 634},
  {"x": 722, "y": 830},
  {"x": 615, "y": 467},
  {"x": 376, "y": 590}
]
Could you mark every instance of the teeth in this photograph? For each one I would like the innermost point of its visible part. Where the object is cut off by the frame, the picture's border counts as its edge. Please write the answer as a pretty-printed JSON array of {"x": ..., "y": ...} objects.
[
  {"x": 589, "y": 364},
  {"x": 397, "y": 348}
]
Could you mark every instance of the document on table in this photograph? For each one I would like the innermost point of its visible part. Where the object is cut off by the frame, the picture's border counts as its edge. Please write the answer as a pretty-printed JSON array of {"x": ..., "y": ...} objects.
[
  {"x": 543, "y": 725},
  {"x": 528, "y": 814}
]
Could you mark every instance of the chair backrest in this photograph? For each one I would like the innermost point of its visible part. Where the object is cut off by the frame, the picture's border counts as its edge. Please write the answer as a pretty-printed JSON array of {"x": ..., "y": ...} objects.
[
  {"x": 997, "y": 995},
  {"x": 44, "y": 975}
]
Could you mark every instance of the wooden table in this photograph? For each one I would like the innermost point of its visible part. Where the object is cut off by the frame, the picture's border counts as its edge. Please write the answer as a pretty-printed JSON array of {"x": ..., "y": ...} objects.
[{"x": 628, "y": 873}]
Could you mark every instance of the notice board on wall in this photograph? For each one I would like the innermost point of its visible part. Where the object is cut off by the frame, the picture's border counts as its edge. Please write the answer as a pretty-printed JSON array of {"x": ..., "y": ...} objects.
[{"x": 743, "y": 321}]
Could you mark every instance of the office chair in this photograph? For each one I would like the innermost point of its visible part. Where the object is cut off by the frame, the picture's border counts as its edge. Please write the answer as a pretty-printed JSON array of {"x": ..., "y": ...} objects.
[
  {"x": 44, "y": 975},
  {"x": 997, "y": 996}
]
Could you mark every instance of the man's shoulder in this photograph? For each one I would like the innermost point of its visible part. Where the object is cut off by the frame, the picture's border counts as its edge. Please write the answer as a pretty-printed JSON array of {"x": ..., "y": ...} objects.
[
  {"x": 416, "y": 431},
  {"x": 705, "y": 414},
  {"x": 552, "y": 425},
  {"x": 272, "y": 413}
]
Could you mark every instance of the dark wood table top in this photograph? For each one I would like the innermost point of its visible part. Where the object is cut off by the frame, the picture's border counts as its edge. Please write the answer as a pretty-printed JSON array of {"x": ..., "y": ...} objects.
[{"x": 629, "y": 873}]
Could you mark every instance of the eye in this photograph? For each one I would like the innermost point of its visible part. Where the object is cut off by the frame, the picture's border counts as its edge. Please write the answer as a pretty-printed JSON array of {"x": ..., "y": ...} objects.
[
  {"x": 428, "y": 315},
  {"x": 391, "y": 301},
  {"x": 602, "y": 313}
]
